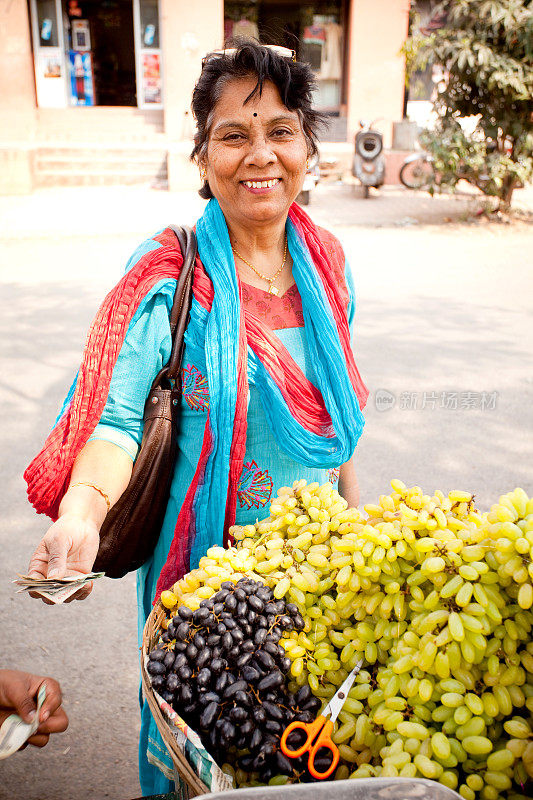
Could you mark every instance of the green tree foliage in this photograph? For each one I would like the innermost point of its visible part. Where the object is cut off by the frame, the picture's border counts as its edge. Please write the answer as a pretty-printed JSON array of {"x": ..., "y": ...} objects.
[{"x": 486, "y": 48}]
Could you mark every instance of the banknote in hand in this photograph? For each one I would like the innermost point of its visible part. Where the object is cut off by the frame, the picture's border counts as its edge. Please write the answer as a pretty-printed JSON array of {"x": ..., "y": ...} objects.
[
  {"x": 57, "y": 590},
  {"x": 15, "y": 732}
]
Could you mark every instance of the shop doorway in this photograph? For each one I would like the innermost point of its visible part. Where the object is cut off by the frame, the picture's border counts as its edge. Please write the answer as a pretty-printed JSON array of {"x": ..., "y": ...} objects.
[{"x": 99, "y": 40}]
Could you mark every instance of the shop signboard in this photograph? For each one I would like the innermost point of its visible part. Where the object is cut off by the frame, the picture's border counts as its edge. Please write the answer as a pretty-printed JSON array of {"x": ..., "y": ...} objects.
[
  {"x": 81, "y": 35},
  {"x": 81, "y": 78},
  {"x": 48, "y": 53},
  {"x": 49, "y": 77},
  {"x": 151, "y": 78},
  {"x": 148, "y": 55}
]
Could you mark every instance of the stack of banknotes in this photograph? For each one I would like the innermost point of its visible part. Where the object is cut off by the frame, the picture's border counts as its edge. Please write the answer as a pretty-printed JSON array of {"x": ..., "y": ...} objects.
[{"x": 53, "y": 589}]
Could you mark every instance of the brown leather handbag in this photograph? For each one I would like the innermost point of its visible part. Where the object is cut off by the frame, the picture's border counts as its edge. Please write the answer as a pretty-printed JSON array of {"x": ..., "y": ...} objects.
[{"x": 132, "y": 526}]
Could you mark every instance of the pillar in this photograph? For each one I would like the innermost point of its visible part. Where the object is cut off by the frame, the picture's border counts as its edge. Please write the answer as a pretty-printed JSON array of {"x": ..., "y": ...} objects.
[
  {"x": 17, "y": 100},
  {"x": 189, "y": 31},
  {"x": 377, "y": 29}
]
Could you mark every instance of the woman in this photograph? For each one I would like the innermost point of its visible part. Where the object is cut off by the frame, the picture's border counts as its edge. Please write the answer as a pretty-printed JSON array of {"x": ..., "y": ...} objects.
[{"x": 271, "y": 392}]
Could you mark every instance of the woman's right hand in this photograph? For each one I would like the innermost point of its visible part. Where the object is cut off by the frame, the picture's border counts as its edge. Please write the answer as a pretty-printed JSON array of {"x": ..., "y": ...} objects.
[{"x": 68, "y": 548}]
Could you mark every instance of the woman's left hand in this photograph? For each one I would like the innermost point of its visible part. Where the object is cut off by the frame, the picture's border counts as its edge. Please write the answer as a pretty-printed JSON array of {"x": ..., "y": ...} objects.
[{"x": 348, "y": 484}]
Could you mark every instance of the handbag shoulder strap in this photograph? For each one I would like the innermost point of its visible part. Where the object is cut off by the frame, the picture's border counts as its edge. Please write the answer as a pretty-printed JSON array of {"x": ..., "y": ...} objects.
[{"x": 179, "y": 315}]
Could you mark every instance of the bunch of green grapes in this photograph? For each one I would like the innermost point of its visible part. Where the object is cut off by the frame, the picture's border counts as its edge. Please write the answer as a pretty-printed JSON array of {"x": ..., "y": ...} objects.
[
  {"x": 429, "y": 592},
  {"x": 415, "y": 588},
  {"x": 510, "y": 527}
]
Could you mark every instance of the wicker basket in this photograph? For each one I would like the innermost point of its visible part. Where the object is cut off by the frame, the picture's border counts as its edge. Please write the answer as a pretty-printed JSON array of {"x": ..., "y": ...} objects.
[{"x": 164, "y": 721}]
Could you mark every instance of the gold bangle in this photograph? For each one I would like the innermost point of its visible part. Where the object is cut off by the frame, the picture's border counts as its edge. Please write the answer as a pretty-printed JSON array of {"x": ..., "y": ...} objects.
[{"x": 96, "y": 488}]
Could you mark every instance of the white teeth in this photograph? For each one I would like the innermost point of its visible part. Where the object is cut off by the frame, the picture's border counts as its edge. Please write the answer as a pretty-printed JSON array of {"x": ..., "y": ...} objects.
[{"x": 262, "y": 184}]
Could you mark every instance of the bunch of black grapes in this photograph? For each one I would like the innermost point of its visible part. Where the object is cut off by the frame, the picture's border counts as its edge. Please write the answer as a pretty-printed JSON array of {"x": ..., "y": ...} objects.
[{"x": 223, "y": 670}]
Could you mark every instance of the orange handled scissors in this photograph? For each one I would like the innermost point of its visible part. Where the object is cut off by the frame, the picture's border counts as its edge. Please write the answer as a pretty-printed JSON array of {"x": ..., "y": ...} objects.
[{"x": 319, "y": 732}]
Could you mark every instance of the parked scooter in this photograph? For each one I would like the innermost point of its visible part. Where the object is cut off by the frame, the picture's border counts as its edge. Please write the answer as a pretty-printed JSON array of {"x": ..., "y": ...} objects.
[
  {"x": 368, "y": 162},
  {"x": 312, "y": 177}
]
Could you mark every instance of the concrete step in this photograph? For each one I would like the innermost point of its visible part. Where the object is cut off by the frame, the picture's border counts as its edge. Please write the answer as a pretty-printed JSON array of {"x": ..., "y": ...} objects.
[
  {"x": 56, "y": 179},
  {"x": 88, "y": 165},
  {"x": 102, "y": 138},
  {"x": 99, "y": 123},
  {"x": 111, "y": 152}
]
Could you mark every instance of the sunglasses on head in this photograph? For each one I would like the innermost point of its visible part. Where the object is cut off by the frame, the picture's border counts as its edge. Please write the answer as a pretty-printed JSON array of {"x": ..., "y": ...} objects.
[{"x": 284, "y": 52}]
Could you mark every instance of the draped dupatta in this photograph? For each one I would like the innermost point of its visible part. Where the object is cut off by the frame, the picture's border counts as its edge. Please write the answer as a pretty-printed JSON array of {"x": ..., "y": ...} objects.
[{"x": 316, "y": 425}]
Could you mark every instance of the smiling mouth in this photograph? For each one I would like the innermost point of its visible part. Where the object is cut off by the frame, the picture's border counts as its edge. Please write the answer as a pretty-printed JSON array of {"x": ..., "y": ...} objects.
[{"x": 262, "y": 184}]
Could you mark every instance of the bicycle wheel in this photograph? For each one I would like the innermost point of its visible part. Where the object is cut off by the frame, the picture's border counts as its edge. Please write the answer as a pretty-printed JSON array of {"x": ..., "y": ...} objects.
[{"x": 417, "y": 174}]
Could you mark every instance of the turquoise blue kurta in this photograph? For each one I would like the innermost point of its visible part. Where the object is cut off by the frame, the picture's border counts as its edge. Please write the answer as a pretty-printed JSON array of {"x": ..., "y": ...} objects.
[{"x": 266, "y": 467}]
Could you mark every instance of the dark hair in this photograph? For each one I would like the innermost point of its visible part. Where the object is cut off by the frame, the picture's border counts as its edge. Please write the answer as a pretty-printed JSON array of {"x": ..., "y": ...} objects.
[{"x": 293, "y": 79}]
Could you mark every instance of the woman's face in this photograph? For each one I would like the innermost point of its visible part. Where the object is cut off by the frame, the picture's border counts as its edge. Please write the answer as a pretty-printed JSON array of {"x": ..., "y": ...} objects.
[{"x": 256, "y": 154}]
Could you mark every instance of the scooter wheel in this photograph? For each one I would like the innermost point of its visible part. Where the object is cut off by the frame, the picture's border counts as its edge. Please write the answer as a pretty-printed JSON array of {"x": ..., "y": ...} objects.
[{"x": 417, "y": 174}]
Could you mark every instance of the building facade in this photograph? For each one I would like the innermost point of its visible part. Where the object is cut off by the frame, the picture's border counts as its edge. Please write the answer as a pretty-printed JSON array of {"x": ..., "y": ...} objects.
[{"x": 112, "y": 74}]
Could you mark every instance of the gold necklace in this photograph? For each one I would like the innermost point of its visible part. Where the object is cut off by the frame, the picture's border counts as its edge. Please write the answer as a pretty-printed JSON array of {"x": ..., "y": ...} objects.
[{"x": 271, "y": 288}]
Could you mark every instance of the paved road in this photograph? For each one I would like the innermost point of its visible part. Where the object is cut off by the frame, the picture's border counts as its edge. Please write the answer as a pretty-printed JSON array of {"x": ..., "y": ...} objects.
[{"x": 443, "y": 310}]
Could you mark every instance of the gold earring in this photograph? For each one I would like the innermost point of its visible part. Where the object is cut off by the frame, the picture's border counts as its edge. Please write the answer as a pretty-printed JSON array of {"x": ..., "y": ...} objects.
[
  {"x": 307, "y": 165},
  {"x": 203, "y": 173}
]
